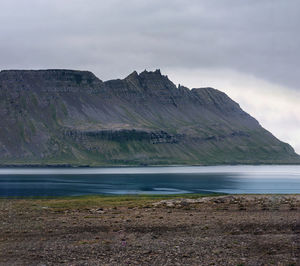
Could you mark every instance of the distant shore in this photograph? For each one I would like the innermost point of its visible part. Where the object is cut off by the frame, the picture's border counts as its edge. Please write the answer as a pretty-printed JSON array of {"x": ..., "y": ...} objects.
[{"x": 129, "y": 165}]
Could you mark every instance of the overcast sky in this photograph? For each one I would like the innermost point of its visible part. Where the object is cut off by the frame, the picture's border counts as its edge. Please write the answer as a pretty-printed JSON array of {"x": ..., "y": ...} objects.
[{"x": 246, "y": 48}]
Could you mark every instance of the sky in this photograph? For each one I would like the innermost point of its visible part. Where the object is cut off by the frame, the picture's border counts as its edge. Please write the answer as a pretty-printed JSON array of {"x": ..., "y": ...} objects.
[{"x": 249, "y": 49}]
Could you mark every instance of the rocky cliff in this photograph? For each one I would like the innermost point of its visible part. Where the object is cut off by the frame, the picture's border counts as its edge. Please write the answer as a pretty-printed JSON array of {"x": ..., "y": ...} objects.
[{"x": 55, "y": 117}]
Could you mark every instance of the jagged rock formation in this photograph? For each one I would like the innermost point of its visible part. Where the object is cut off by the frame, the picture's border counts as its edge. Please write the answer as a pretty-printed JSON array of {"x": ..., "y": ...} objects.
[{"x": 72, "y": 117}]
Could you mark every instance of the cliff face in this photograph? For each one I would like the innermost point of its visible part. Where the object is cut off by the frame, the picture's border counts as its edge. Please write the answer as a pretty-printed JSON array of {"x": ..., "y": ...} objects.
[{"x": 72, "y": 117}]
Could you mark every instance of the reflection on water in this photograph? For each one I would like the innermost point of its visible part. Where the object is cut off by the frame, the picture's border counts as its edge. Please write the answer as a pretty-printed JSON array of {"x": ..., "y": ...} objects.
[{"x": 150, "y": 180}]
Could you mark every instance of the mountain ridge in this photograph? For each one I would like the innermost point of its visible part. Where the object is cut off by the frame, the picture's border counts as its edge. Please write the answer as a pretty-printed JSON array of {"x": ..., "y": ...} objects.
[{"x": 60, "y": 116}]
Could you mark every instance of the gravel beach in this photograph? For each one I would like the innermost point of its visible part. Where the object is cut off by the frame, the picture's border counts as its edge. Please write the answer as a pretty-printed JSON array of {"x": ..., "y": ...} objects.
[{"x": 223, "y": 230}]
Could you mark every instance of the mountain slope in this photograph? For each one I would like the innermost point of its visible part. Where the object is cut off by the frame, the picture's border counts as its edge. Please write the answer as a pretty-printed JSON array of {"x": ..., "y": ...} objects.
[{"x": 72, "y": 117}]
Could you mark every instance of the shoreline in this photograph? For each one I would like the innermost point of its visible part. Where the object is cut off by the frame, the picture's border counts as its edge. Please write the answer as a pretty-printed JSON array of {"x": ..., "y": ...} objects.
[{"x": 145, "y": 196}]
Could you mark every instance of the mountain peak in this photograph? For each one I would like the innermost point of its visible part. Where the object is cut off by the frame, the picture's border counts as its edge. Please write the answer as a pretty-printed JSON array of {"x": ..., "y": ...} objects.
[
  {"x": 156, "y": 73},
  {"x": 150, "y": 80},
  {"x": 133, "y": 75}
]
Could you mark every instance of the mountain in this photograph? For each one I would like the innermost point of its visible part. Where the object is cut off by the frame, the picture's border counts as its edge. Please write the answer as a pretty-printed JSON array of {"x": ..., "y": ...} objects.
[{"x": 68, "y": 117}]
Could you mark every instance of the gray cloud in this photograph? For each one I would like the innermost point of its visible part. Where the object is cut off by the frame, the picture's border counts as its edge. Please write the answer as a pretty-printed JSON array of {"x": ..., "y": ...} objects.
[
  {"x": 257, "y": 38},
  {"x": 113, "y": 37}
]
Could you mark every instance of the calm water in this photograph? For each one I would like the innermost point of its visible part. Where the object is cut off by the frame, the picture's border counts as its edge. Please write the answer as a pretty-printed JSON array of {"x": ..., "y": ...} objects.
[{"x": 149, "y": 180}]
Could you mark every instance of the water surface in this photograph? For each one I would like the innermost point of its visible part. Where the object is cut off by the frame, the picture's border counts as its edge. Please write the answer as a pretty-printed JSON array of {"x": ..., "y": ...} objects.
[{"x": 149, "y": 180}]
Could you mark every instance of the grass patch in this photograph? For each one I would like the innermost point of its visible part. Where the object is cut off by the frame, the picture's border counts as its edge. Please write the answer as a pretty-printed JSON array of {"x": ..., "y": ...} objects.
[{"x": 96, "y": 201}]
